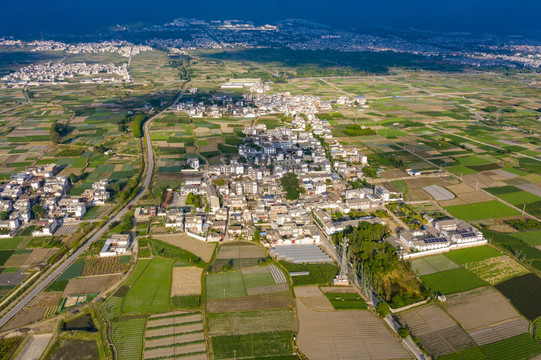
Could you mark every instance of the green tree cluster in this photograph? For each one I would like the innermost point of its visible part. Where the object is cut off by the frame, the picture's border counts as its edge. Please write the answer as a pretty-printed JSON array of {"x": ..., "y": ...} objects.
[{"x": 290, "y": 184}]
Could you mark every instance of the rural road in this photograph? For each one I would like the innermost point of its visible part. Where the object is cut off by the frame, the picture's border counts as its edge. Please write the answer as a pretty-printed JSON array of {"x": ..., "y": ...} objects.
[{"x": 149, "y": 169}]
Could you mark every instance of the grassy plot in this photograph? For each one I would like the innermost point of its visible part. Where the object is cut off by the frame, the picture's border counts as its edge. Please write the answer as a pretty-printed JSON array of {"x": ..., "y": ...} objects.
[
  {"x": 345, "y": 301},
  {"x": 267, "y": 345},
  {"x": 151, "y": 289},
  {"x": 481, "y": 210},
  {"x": 452, "y": 281},
  {"x": 474, "y": 254}
]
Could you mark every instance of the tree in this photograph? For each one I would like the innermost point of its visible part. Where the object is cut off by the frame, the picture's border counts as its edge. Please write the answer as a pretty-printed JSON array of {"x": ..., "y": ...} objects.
[
  {"x": 383, "y": 309},
  {"x": 4, "y": 215},
  {"x": 403, "y": 332},
  {"x": 38, "y": 211},
  {"x": 290, "y": 184},
  {"x": 257, "y": 235}
]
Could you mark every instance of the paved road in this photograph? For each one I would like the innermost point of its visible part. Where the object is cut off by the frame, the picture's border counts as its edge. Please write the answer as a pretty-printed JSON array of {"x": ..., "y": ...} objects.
[{"x": 149, "y": 169}]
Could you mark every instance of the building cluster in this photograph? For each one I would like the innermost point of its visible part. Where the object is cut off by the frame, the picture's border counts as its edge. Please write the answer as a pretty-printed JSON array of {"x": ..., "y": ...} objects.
[
  {"x": 62, "y": 73},
  {"x": 123, "y": 48},
  {"x": 39, "y": 195},
  {"x": 441, "y": 234},
  {"x": 259, "y": 103}
]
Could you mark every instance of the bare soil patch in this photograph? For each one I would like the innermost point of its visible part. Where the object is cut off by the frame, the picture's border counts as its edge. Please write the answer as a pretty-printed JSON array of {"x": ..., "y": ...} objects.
[
  {"x": 345, "y": 335},
  {"x": 46, "y": 299},
  {"x": 90, "y": 285},
  {"x": 25, "y": 317}
]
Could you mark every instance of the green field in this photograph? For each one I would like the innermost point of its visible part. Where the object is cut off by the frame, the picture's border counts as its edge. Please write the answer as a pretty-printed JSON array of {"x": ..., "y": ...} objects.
[
  {"x": 432, "y": 264},
  {"x": 318, "y": 274},
  {"x": 344, "y": 301},
  {"x": 474, "y": 254},
  {"x": 73, "y": 271},
  {"x": 226, "y": 285},
  {"x": 127, "y": 335},
  {"x": 188, "y": 302},
  {"x": 516, "y": 348},
  {"x": 269, "y": 345},
  {"x": 481, "y": 210},
  {"x": 452, "y": 281},
  {"x": 532, "y": 238},
  {"x": 151, "y": 289},
  {"x": 10, "y": 243}
]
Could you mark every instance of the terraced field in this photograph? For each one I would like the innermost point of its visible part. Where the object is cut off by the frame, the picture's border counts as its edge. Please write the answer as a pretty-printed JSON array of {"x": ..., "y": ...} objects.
[{"x": 175, "y": 334}]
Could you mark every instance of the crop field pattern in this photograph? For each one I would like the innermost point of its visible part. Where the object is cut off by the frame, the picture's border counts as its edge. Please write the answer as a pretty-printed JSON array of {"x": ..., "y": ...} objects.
[
  {"x": 437, "y": 331},
  {"x": 175, "y": 334},
  {"x": 524, "y": 292},
  {"x": 347, "y": 334}
]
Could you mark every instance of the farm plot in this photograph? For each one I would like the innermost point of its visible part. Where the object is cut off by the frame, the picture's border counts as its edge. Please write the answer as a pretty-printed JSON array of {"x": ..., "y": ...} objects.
[
  {"x": 524, "y": 292},
  {"x": 202, "y": 249},
  {"x": 150, "y": 287},
  {"x": 175, "y": 334},
  {"x": 104, "y": 265},
  {"x": 497, "y": 270},
  {"x": 249, "y": 322},
  {"x": 274, "y": 300},
  {"x": 240, "y": 250},
  {"x": 481, "y": 210},
  {"x": 127, "y": 335},
  {"x": 432, "y": 264},
  {"x": 89, "y": 285},
  {"x": 271, "y": 345},
  {"x": 439, "y": 193},
  {"x": 346, "y": 301},
  {"x": 516, "y": 348},
  {"x": 473, "y": 254},
  {"x": 238, "y": 255},
  {"x": 186, "y": 281},
  {"x": 486, "y": 315},
  {"x": 321, "y": 274},
  {"x": 25, "y": 317},
  {"x": 452, "y": 281},
  {"x": 79, "y": 349},
  {"x": 349, "y": 334},
  {"x": 313, "y": 298},
  {"x": 237, "y": 283},
  {"x": 437, "y": 331}
]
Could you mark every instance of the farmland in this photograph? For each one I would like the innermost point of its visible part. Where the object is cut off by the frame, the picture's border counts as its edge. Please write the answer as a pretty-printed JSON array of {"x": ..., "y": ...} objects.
[
  {"x": 481, "y": 210},
  {"x": 127, "y": 335},
  {"x": 150, "y": 289},
  {"x": 320, "y": 335},
  {"x": 452, "y": 281},
  {"x": 177, "y": 334},
  {"x": 516, "y": 348},
  {"x": 524, "y": 292}
]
